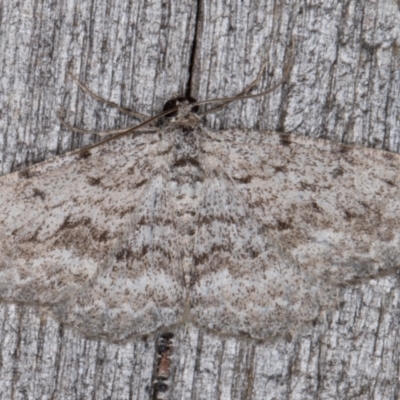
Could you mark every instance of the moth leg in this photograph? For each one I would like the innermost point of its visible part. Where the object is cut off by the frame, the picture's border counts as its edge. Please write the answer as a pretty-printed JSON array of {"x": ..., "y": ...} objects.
[{"x": 127, "y": 111}]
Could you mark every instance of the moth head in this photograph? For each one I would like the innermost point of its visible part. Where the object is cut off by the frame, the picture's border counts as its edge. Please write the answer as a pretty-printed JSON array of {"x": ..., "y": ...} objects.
[{"x": 185, "y": 111}]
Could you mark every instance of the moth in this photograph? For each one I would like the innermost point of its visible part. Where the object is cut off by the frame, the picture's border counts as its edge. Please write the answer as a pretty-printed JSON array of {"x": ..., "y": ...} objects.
[{"x": 242, "y": 232}]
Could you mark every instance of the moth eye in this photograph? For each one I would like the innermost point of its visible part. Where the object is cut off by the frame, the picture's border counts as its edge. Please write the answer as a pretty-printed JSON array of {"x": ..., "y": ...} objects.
[
  {"x": 191, "y": 100},
  {"x": 171, "y": 104}
]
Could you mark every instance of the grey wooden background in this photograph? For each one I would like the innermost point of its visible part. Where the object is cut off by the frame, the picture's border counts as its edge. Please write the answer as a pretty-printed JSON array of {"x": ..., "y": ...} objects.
[{"x": 343, "y": 85}]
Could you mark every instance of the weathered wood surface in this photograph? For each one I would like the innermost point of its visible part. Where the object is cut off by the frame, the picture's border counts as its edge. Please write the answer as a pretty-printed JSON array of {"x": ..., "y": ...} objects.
[{"x": 344, "y": 85}]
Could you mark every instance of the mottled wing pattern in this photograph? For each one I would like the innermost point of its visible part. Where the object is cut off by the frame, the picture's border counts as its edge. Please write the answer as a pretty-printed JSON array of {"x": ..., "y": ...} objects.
[
  {"x": 284, "y": 222},
  {"x": 335, "y": 208},
  {"x": 243, "y": 282},
  {"x": 70, "y": 221},
  {"x": 140, "y": 286},
  {"x": 278, "y": 223}
]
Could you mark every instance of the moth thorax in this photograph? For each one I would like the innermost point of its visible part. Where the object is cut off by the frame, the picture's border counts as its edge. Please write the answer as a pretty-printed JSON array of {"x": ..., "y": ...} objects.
[{"x": 186, "y": 142}]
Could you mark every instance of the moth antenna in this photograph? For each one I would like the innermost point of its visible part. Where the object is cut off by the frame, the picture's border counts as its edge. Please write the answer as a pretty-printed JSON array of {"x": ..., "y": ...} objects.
[
  {"x": 124, "y": 110},
  {"x": 117, "y": 133},
  {"x": 121, "y": 132},
  {"x": 226, "y": 100},
  {"x": 60, "y": 116}
]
